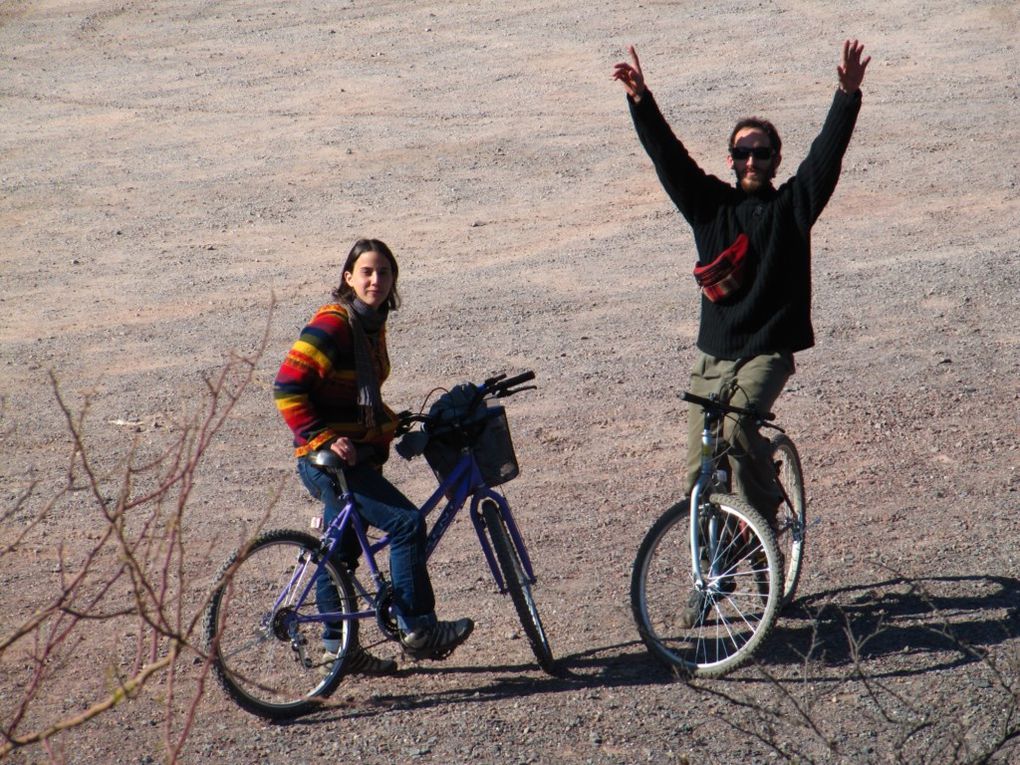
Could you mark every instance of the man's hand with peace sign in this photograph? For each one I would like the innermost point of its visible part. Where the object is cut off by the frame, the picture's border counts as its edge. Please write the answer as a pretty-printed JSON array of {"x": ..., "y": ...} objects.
[{"x": 630, "y": 75}]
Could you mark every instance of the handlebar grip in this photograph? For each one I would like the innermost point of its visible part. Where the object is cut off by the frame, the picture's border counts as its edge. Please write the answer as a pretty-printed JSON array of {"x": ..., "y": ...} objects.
[
  {"x": 702, "y": 402},
  {"x": 517, "y": 380}
]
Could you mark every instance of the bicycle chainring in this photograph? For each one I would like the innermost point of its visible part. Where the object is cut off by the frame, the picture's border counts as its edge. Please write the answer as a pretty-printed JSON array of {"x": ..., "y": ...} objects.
[{"x": 385, "y": 613}]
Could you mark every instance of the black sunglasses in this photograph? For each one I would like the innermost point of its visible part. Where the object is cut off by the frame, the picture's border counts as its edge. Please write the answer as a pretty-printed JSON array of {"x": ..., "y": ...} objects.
[{"x": 760, "y": 153}]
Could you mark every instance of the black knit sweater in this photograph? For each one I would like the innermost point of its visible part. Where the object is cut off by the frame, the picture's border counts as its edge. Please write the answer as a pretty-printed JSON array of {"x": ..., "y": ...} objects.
[{"x": 772, "y": 311}]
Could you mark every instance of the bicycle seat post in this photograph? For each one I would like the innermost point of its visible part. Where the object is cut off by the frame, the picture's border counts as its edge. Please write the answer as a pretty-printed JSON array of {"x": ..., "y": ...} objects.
[{"x": 341, "y": 481}]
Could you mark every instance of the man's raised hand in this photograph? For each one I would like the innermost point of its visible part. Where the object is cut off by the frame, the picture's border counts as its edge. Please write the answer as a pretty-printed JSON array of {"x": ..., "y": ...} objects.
[
  {"x": 852, "y": 66},
  {"x": 630, "y": 75}
]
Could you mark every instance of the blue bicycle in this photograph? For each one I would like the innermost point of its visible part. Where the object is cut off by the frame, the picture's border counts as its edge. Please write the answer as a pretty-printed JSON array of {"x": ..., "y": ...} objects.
[{"x": 264, "y": 628}]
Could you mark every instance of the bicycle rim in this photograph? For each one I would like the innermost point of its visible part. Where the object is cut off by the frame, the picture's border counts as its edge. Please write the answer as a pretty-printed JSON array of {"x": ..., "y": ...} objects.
[
  {"x": 520, "y": 589},
  {"x": 265, "y": 655},
  {"x": 718, "y": 629},
  {"x": 791, "y": 520}
]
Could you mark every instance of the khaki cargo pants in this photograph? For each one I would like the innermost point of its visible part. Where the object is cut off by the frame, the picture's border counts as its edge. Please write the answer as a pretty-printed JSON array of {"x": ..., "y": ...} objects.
[{"x": 757, "y": 382}]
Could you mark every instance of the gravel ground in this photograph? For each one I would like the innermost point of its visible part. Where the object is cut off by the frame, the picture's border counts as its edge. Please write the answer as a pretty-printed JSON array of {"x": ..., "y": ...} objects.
[{"x": 179, "y": 175}]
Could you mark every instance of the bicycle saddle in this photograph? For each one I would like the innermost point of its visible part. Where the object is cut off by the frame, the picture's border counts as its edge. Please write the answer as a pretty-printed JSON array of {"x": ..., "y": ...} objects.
[{"x": 326, "y": 458}]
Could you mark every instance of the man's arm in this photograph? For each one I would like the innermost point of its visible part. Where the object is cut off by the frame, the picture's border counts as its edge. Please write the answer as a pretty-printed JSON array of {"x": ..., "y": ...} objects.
[
  {"x": 819, "y": 172},
  {"x": 691, "y": 190}
]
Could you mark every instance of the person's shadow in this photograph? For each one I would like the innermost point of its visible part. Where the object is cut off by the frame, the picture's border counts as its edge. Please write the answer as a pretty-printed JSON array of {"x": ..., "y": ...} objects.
[{"x": 900, "y": 626}]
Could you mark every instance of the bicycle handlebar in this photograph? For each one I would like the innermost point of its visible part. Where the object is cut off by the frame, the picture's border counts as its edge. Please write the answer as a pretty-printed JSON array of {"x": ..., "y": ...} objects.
[
  {"x": 721, "y": 408},
  {"x": 498, "y": 386}
]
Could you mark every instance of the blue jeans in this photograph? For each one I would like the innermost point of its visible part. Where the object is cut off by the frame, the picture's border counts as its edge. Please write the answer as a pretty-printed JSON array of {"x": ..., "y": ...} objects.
[{"x": 381, "y": 505}]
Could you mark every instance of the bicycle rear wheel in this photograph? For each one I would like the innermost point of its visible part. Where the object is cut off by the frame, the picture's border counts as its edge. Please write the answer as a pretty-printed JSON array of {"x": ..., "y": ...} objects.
[
  {"x": 517, "y": 583},
  {"x": 791, "y": 519},
  {"x": 264, "y": 631},
  {"x": 707, "y": 632}
]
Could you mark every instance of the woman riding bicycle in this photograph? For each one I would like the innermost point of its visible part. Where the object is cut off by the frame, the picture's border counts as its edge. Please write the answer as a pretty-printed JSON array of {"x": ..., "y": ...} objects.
[{"x": 328, "y": 392}]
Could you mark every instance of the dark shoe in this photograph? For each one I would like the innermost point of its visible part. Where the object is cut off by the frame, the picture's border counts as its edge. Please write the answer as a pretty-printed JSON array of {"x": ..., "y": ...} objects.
[
  {"x": 693, "y": 614},
  {"x": 438, "y": 641},
  {"x": 361, "y": 662}
]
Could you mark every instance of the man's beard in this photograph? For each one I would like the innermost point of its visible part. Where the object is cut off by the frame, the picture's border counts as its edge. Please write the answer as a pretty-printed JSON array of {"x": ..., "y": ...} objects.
[{"x": 752, "y": 185}]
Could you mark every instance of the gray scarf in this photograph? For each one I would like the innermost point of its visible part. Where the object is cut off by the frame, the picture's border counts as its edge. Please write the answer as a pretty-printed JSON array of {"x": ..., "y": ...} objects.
[{"x": 366, "y": 323}]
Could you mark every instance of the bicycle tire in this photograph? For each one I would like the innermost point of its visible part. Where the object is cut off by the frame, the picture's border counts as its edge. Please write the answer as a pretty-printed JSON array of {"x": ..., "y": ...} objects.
[
  {"x": 731, "y": 623},
  {"x": 791, "y": 519},
  {"x": 269, "y": 662},
  {"x": 517, "y": 584}
]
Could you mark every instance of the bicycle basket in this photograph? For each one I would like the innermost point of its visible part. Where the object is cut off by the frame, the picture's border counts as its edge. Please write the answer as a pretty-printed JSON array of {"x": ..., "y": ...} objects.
[{"x": 488, "y": 437}]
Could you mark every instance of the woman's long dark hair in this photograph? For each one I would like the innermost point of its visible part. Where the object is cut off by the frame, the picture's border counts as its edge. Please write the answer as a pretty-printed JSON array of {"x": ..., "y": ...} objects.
[{"x": 345, "y": 292}]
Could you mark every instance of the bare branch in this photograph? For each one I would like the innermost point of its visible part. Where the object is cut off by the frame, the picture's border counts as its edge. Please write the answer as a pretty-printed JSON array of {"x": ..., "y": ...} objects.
[{"x": 138, "y": 568}]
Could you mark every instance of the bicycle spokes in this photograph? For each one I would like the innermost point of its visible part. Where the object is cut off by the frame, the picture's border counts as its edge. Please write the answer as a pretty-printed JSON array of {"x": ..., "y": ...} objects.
[{"x": 718, "y": 622}]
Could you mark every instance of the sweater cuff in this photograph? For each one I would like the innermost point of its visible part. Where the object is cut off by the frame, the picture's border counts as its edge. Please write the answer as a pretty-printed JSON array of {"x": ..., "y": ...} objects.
[{"x": 646, "y": 98}]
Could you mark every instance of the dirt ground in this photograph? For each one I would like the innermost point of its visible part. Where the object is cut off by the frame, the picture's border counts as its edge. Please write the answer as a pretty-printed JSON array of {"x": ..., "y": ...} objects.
[{"x": 171, "y": 169}]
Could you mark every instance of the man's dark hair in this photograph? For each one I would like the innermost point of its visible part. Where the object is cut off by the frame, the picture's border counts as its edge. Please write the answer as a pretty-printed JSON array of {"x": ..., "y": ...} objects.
[{"x": 763, "y": 125}]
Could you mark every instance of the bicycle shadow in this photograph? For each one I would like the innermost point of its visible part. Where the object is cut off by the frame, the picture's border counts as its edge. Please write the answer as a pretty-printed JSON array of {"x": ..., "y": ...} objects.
[
  {"x": 926, "y": 623},
  {"x": 597, "y": 669},
  {"x": 911, "y": 620}
]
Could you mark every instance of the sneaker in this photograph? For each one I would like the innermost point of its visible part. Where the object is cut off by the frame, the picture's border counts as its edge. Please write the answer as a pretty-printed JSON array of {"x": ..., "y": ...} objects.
[
  {"x": 360, "y": 662},
  {"x": 694, "y": 612},
  {"x": 438, "y": 641}
]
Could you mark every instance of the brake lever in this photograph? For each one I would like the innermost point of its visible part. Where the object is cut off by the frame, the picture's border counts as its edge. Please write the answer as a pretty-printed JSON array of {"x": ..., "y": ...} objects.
[
  {"x": 512, "y": 391},
  {"x": 490, "y": 382},
  {"x": 404, "y": 422}
]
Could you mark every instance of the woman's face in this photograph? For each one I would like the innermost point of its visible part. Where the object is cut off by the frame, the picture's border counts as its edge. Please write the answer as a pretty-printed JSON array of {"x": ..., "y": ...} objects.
[{"x": 371, "y": 279}]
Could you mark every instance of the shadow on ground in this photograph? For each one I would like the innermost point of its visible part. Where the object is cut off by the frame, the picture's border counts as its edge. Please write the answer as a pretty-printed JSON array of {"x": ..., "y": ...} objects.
[
  {"x": 896, "y": 627},
  {"x": 925, "y": 624}
]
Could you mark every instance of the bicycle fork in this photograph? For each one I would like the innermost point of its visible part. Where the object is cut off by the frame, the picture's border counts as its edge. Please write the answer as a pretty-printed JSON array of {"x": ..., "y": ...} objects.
[
  {"x": 709, "y": 443},
  {"x": 516, "y": 540}
]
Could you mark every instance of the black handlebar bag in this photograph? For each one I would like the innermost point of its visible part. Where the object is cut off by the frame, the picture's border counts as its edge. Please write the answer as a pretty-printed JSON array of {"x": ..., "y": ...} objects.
[{"x": 459, "y": 422}]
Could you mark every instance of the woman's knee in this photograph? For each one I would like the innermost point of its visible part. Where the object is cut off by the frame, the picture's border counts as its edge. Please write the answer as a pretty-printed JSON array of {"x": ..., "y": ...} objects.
[
  {"x": 404, "y": 524},
  {"x": 415, "y": 523}
]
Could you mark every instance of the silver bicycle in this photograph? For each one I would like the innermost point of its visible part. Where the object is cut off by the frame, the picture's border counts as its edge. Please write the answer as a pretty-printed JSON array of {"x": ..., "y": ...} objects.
[{"x": 707, "y": 586}]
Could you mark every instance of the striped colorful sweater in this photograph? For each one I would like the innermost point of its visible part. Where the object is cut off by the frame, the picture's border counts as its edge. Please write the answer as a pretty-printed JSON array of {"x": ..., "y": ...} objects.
[{"x": 316, "y": 387}]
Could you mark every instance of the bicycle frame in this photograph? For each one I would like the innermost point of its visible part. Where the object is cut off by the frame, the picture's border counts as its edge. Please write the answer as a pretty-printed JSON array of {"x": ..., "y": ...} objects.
[
  {"x": 463, "y": 481},
  {"x": 709, "y": 478}
]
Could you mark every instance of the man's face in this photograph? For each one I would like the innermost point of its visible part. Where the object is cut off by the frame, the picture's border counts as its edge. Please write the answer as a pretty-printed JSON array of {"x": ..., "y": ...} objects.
[{"x": 752, "y": 159}]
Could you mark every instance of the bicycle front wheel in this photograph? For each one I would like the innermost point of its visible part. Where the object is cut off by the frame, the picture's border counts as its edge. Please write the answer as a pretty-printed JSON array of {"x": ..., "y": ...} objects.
[
  {"x": 264, "y": 630},
  {"x": 516, "y": 581},
  {"x": 791, "y": 519},
  {"x": 708, "y": 629}
]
